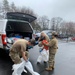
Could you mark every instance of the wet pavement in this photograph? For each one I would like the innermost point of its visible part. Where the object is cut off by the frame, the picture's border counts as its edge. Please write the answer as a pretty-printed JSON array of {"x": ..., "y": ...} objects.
[{"x": 65, "y": 61}]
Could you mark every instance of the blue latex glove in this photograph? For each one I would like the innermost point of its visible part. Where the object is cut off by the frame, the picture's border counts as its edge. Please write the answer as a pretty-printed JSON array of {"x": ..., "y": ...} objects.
[
  {"x": 36, "y": 42},
  {"x": 40, "y": 50},
  {"x": 29, "y": 47}
]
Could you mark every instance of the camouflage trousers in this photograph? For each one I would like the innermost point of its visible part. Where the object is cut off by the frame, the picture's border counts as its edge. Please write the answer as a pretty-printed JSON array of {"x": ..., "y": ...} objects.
[
  {"x": 15, "y": 57},
  {"x": 51, "y": 59}
]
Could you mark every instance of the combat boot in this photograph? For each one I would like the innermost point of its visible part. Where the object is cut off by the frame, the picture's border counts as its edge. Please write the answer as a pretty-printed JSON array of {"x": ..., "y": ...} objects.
[
  {"x": 53, "y": 65},
  {"x": 49, "y": 69}
]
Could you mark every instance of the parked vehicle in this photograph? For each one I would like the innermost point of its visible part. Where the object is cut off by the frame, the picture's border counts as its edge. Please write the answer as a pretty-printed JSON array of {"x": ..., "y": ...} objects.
[
  {"x": 61, "y": 36},
  {"x": 73, "y": 38},
  {"x": 14, "y": 26}
]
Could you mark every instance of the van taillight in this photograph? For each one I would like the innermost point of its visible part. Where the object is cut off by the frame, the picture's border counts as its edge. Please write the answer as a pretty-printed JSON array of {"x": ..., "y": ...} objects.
[{"x": 4, "y": 39}]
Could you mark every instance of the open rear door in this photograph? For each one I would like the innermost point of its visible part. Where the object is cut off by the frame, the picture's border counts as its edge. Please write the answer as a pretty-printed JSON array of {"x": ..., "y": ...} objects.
[{"x": 20, "y": 16}]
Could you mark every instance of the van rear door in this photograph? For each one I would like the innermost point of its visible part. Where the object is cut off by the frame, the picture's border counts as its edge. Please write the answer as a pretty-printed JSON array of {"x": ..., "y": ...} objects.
[
  {"x": 20, "y": 16},
  {"x": 21, "y": 27}
]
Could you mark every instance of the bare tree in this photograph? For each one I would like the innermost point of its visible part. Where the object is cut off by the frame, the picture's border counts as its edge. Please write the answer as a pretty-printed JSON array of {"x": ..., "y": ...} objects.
[
  {"x": 43, "y": 22},
  {"x": 55, "y": 23},
  {"x": 25, "y": 10},
  {"x": 36, "y": 26},
  {"x": 63, "y": 28},
  {"x": 12, "y": 7},
  {"x": 68, "y": 28},
  {"x": 6, "y": 7}
]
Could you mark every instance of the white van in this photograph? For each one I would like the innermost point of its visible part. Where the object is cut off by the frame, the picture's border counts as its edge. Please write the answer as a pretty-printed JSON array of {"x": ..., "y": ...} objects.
[{"x": 13, "y": 24}]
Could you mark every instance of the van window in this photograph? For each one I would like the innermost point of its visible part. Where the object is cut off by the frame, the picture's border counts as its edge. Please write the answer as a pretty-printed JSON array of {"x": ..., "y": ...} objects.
[{"x": 18, "y": 26}]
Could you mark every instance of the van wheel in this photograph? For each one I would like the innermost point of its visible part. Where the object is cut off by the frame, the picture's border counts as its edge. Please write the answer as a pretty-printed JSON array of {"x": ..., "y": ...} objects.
[{"x": 3, "y": 54}]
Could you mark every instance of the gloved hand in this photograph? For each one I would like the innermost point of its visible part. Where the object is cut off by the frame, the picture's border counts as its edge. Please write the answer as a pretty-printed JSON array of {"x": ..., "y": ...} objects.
[
  {"x": 40, "y": 50},
  {"x": 29, "y": 47},
  {"x": 36, "y": 42}
]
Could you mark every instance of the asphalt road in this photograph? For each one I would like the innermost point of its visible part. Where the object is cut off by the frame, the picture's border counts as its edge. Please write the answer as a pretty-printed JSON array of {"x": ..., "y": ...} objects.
[{"x": 65, "y": 61}]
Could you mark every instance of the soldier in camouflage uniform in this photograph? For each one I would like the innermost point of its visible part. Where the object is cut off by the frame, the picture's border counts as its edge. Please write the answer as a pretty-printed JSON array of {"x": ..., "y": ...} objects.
[
  {"x": 53, "y": 46},
  {"x": 42, "y": 37},
  {"x": 18, "y": 50}
]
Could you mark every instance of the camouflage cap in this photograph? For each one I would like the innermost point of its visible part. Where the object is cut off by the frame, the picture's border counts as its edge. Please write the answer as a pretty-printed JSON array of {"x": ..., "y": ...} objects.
[
  {"x": 54, "y": 33},
  {"x": 33, "y": 41}
]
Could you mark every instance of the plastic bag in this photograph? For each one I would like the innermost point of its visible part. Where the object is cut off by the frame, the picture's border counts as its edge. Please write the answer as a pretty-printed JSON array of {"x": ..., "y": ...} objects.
[
  {"x": 29, "y": 67},
  {"x": 19, "y": 68},
  {"x": 44, "y": 52},
  {"x": 44, "y": 55}
]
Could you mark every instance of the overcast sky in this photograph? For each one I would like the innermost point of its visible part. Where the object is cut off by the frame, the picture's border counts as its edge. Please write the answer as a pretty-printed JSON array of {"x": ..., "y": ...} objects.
[{"x": 50, "y": 8}]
